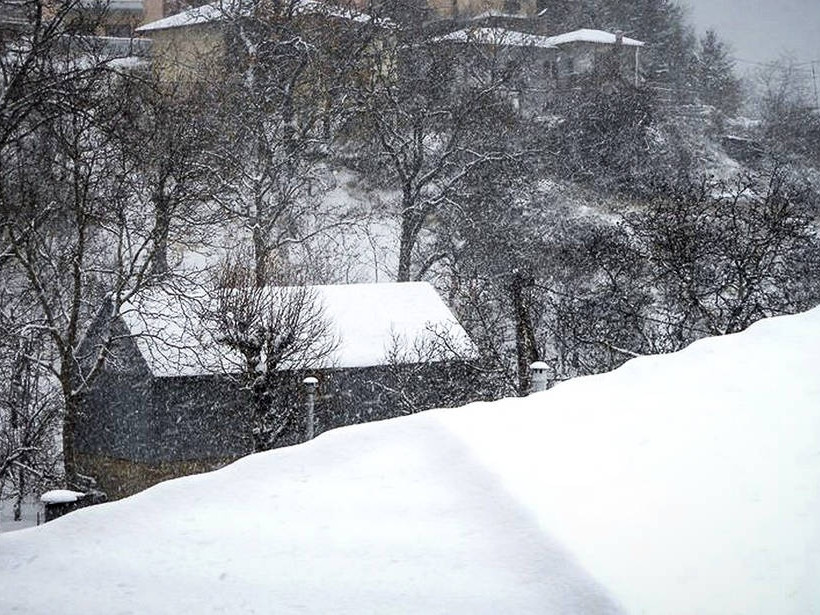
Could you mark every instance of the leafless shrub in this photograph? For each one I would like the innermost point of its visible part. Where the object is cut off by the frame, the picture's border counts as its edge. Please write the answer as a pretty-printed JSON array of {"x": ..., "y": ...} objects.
[{"x": 280, "y": 331}]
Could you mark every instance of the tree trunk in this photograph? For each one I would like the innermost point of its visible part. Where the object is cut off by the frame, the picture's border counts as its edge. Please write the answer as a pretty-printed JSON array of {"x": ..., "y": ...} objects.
[
  {"x": 260, "y": 255},
  {"x": 162, "y": 227},
  {"x": 72, "y": 407},
  {"x": 261, "y": 412},
  {"x": 21, "y": 490},
  {"x": 410, "y": 228},
  {"x": 405, "y": 252},
  {"x": 525, "y": 344}
]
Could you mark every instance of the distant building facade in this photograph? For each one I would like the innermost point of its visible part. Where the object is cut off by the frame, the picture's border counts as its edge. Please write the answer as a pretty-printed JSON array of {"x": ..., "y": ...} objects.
[
  {"x": 199, "y": 44},
  {"x": 195, "y": 44},
  {"x": 112, "y": 18}
]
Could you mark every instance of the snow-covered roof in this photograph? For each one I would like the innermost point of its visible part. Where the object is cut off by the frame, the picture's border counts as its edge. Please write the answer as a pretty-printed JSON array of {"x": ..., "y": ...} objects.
[
  {"x": 60, "y": 496},
  {"x": 221, "y": 10},
  {"x": 490, "y": 13},
  {"x": 114, "y": 5},
  {"x": 177, "y": 335},
  {"x": 504, "y": 36},
  {"x": 129, "y": 62},
  {"x": 676, "y": 485},
  {"x": 497, "y": 36},
  {"x": 592, "y": 36}
]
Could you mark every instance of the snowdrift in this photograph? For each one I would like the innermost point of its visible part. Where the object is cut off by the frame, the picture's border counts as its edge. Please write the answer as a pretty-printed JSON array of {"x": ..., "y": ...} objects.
[{"x": 679, "y": 484}]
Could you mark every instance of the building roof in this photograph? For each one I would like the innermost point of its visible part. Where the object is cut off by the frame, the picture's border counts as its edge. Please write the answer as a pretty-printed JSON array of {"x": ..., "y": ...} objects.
[
  {"x": 512, "y": 38},
  {"x": 490, "y": 13},
  {"x": 497, "y": 36},
  {"x": 176, "y": 337},
  {"x": 60, "y": 496},
  {"x": 592, "y": 36},
  {"x": 220, "y": 10},
  {"x": 135, "y": 6}
]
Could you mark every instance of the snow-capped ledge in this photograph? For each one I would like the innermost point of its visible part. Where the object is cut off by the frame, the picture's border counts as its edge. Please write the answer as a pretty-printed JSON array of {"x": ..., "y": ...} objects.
[{"x": 60, "y": 496}]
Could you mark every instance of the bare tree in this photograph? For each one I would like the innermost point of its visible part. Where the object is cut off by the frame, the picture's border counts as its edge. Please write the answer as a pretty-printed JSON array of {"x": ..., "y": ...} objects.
[
  {"x": 168, "y": 135},
  {"x": 29, "y": 451},
  {"x": 286, "y": 89},
  {"x": 723, "y": 256},
  {"x": 788, "y": 109},
  {"x": 72, "y": 237},
  {"x": 40, "y": 75},
  {"x": 431, "y": 118},
  {"x": 29, "y": 405},
  {"x": 279, "y": 331},
  {"x": 434, "y": 370}
]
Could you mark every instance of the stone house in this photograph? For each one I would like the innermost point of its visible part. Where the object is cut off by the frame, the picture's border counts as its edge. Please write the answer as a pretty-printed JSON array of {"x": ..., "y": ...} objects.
[
  {"x": 186, "y": 47},
  {"x": 196, "y": 45},
  {"x": 119, "y": 17},
  {"x": 113, "y": 18},
  {"x": 606, "y": 56},
  {"x": 567, "y": 57},
  {"x": 545, "y": 66},
  {"x": 171, "y": 400}
]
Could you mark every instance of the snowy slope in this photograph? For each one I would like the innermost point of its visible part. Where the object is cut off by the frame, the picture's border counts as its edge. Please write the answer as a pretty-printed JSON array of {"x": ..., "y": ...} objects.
[{"x": 683, "y": 484}]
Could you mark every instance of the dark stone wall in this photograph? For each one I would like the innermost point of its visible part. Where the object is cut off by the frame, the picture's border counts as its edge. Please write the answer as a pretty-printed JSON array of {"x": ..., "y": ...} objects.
[
  {"x": 352, "y": 396},
  {"x": 130, "y": 414},
  {"x": 198, "y": 418},
  {"x": 123, "y": 356},
  {"x": 116, "y": 416},
  {"x": 167, "y": 424},
  {"x": 119, "y": 478},
  {"x": 209, "y": 417},
  {"x": 116, "y": 409},
  {"x": 164, "y": 419}
]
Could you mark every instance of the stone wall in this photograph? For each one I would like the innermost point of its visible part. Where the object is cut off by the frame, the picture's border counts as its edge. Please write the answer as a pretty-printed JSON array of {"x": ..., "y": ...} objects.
[
  {"x": 188, "y": 55},
  {"x": 119, "y": 478},
  {"x": 200, "y": 417},
  {"x": 117, "y": 408}
]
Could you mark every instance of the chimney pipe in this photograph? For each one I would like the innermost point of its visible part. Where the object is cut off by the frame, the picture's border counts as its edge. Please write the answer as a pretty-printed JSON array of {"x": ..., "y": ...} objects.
[{"x": 538, "y": 376}]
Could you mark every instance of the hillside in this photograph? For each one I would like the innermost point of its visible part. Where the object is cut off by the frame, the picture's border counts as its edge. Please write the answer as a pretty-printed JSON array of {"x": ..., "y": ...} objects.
[{"x": 678, "y": 484}]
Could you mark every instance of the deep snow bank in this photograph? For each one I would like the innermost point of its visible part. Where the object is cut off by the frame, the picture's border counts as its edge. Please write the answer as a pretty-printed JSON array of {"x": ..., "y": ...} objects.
[{"x": 687, "y": 483}]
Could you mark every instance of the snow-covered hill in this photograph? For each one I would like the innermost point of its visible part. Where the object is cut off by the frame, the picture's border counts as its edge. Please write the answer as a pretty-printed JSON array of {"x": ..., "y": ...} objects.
[{"x": 680, "y": 484}]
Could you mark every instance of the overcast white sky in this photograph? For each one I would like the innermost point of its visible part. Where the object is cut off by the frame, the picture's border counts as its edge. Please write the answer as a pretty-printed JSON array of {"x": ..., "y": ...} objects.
[{"x": 762, "y": 30}]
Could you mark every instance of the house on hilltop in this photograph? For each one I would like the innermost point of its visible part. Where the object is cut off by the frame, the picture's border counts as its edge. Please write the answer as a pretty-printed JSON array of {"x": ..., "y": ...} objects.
[
  {"x": 112, "y": 18},
  {"x": 198, "y": 44},
  {"x": 406, "y": 12},
  {"x": 596, "y": 52},
  {"x": 541, "y": 67},
  {"x": 117, "y": 18},
  {"x": 172, "y": 399},
  {"x": 568, "y": 57}
]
